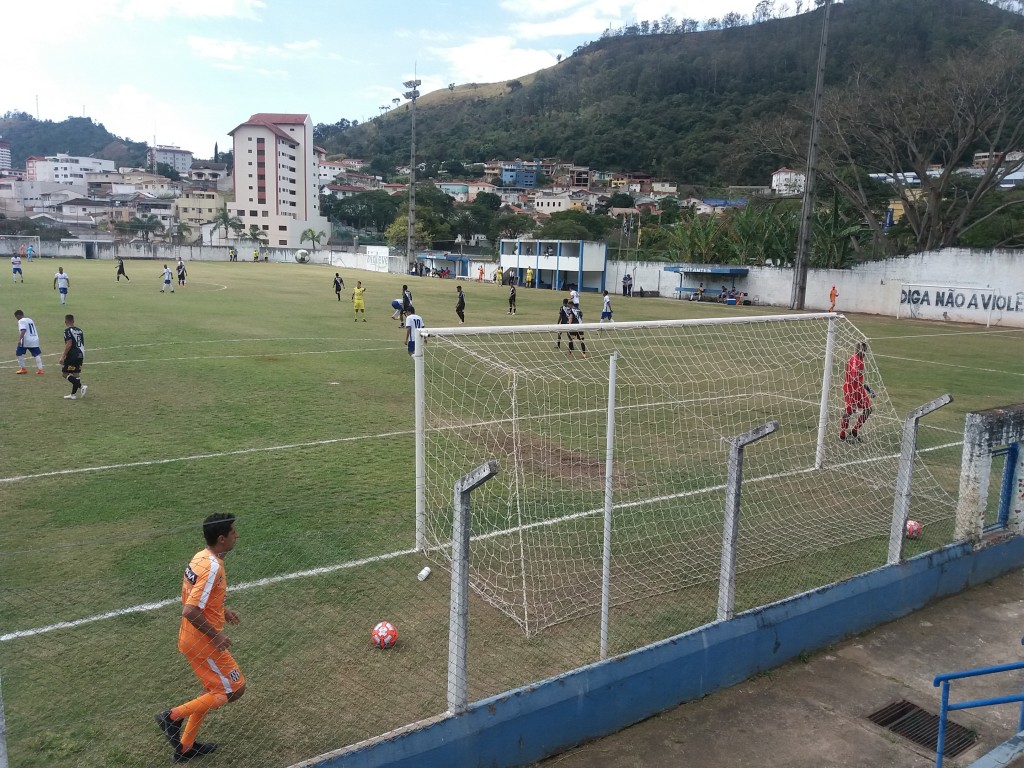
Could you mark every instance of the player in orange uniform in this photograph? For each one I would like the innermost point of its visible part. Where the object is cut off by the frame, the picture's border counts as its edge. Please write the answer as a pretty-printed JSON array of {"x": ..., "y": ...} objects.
[
  {"x": 202, "y": 641},
  {"x": 855, "y": 393}
]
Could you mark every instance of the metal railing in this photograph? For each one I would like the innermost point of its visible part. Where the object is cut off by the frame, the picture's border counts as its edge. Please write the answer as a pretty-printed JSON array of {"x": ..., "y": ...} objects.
[{"x": 944, "y": 681}]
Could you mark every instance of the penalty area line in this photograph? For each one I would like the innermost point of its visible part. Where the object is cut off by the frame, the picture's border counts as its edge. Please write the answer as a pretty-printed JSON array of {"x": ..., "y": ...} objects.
[
  {"x": 200, "y": 456},
  {"x": 155, "y": 606}
]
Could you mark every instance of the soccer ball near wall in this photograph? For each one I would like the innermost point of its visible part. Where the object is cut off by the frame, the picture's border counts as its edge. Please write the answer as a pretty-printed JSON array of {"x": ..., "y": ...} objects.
[
  {"x": 913, "y": 529},
  {"x": 384, "y": 635}
]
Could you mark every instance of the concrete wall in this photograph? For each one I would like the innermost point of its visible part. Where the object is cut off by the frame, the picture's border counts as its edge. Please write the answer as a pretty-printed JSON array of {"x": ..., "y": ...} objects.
[
  {"x": 370, "y": 258},
  {"x": 878, "y": 287},
  {"x": 527, "y": 724}
]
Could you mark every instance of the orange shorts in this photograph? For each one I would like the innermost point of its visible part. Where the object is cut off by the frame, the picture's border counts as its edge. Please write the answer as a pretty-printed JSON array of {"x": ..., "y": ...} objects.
[{"x": 216, "y": 670}]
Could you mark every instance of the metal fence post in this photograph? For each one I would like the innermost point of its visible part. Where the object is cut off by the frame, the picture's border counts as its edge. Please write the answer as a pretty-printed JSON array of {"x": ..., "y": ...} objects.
[
  {"x": 609, "y": 464},
  {"x": 458, "y": 620},
  {"x": 730, "y": 532},
  {"x": 904, "y": 477}
]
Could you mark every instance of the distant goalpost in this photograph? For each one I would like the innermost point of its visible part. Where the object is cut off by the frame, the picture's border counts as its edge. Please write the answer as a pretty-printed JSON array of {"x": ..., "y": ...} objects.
[
  {"x": 675, "y": 391},
  {"x": 11, "y": 245}
]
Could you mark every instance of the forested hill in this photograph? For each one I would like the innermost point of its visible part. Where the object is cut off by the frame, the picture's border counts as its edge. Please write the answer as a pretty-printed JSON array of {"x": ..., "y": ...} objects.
[
  {"x": 683, "y": 105},
  {"x": 74, "y": 136}
]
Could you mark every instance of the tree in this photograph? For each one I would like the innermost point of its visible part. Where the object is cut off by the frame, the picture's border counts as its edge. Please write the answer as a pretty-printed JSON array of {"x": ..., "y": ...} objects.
[
  {"x": 510, "y": 226},
  {"x": 257, "y": 235},
  {"x": 167, "y": 171},
  {"x": 313, "y": 236},
  {"x": 148, "y": 225},
  {"x": 223, "y": 220},
  {"x": 182, "y": 231},
  {"x": 920, "y": 130}
]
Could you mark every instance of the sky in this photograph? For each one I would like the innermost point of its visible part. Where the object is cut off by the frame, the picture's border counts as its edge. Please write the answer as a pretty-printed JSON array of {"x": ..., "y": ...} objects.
[{"x": 185, "y": 72}]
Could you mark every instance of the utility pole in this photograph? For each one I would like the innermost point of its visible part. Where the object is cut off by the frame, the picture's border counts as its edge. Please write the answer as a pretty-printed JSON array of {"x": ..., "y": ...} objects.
[
  {"x": 412, "y": 94},
  {"x": 799, "y": 294}
]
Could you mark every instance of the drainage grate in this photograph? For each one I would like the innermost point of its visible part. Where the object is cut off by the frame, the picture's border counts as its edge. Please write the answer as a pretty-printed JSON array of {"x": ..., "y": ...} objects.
[{"x": 922, "y": 727}]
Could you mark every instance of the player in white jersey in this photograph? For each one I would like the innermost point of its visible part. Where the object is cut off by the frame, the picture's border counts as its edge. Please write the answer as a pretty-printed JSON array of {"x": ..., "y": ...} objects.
[
  {"x": 413, "y": 323},
  {"x": 16, "y": 268},
  {"x": 574, "y": 298},
  {"x": 168, "y": 277},
  {"x": 606, "y": 309},
  {"x": 28, "y": 339},
  {"x": 61, "y": 281}
]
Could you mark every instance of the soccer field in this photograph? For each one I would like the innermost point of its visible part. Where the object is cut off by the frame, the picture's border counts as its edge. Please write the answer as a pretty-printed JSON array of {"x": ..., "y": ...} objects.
[{"x": 252, "y": 390}]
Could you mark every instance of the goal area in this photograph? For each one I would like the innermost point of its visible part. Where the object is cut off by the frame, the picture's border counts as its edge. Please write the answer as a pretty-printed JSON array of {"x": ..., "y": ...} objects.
[
  {"x": 679, "y": 391},
  {"x": 18, "y": 245}
]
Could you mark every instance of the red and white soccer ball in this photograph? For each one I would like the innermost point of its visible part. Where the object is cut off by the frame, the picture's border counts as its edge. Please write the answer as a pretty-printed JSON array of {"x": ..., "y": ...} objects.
[
  {"x": 384, "y": 635},
  {"x": 913, "y": 529}
]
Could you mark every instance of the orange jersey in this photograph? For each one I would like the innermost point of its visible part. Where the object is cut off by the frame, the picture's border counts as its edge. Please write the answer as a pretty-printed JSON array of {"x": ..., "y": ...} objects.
[{"x": 204, "y": 586}]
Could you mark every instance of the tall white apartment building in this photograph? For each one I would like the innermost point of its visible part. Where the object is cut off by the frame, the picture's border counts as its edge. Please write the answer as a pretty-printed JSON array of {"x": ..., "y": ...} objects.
[
  {"x": 276, "y": 177},
  {"x": 66, "y": 169},
  {"x": 179, "y": 159},
  {"x": 5, "y": 155}
]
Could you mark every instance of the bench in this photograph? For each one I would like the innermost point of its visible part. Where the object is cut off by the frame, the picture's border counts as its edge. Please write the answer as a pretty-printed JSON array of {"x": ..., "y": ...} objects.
[{"x": 709, "y": 293}]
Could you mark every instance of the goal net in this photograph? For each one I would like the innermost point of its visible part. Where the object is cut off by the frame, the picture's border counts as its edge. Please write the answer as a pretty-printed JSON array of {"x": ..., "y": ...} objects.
[
  {"x": 681, "y": 389},
  {"x": 19, "y": 245}
]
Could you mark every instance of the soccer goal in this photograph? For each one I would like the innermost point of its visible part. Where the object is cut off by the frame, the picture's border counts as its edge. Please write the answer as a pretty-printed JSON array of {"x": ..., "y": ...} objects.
[
  {"x": 679, "y": 390},
  {"x": 19, "y": 245}
]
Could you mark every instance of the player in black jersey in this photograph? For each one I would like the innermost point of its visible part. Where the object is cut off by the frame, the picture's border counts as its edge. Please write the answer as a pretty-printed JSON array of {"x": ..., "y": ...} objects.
[
  {"x": 563, "y": 319},
  {"x": 73, "y": 357}
]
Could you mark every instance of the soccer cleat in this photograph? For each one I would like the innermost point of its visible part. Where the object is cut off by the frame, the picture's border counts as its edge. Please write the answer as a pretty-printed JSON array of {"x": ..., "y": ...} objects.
[
  {"x": 84, "y": 390},
  {"x": 22, "y": 370},
  {"x": 171, "y": 729},
  {"x": 40, "y": 371},
  {"x": 196, "y": 750},
  {"x": 70, "y": 397}
]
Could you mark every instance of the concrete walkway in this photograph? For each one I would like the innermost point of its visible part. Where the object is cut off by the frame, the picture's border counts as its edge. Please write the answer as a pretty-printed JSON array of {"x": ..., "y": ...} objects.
[{"x": 813, "y": 713}]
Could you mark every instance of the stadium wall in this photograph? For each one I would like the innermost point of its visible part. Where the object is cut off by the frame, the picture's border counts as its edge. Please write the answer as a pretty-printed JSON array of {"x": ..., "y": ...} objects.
[
  {"x": 527, "y": 724},
  {"x": 877, "y": 287}
]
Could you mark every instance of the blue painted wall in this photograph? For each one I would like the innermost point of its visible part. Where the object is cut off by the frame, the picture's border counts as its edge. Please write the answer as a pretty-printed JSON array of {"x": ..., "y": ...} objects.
[{"x": 525, "y": 725}]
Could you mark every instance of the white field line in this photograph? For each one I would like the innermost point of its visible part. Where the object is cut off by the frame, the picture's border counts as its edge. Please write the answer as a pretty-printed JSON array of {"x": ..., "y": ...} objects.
[
  {"x": 198, "y": 456},
  {"x": 323, "y": 570},
  {"x": 992, "y": 332},
  {"x": 947, "y": 365},
  {"x": 145, "y": 607},
  {"x": 10, "y": 363}
]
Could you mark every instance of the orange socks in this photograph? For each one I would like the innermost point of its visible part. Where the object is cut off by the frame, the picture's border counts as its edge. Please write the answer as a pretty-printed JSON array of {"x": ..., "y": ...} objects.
[{"x": 195, "y": 711}]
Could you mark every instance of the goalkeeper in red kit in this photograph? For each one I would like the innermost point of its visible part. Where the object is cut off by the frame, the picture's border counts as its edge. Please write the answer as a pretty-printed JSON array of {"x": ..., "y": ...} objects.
[{"x": 856, "y": 394}]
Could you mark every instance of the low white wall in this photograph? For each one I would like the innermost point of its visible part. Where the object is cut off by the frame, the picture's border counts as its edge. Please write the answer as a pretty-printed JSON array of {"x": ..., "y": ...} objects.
[
  {"x": 944, "y": 285},
  {"x": 370, "y": 258}
]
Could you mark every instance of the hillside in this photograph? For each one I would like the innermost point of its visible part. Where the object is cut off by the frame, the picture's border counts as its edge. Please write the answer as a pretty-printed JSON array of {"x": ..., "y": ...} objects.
[
  {"x": 74, "y": 136},
  {"x": 681, "y": 106}
]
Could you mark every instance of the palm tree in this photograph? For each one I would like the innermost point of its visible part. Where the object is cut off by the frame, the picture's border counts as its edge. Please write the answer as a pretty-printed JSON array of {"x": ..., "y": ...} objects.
[
  {"x": 256, "y": 234},
  {"x": 313, "y": 236},
  {"x": 224, "y": 220},
  {"x": 181, "y": 232},
  {"x": 147, "y": 225}
]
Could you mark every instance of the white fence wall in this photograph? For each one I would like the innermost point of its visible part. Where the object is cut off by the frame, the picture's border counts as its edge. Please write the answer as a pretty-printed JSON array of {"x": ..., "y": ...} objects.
[
  {"x": 371, "y": 258},
  {"x": 877, "y": 287}
]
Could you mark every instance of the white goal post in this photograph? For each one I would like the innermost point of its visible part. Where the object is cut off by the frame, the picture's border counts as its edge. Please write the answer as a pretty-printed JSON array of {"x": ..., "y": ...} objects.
[
  {"x": 648, "y": 495},
  {"x": 14, "y": 245}
]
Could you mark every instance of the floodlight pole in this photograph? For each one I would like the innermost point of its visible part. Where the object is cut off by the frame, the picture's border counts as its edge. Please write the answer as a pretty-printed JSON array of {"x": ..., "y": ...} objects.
[
  {"x": 799, "y": 294},
  {"x": 908, "y": 448},
  {"x": 458, "y": 619},
  {"x": 731, "y": 528},
  {"x": 410, "y": 238}
]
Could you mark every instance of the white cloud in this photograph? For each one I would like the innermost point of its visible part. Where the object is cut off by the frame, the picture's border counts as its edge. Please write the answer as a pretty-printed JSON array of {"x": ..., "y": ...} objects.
[
  {"x": 492, "y": 59},
  {"x": 231, "y": 51}
]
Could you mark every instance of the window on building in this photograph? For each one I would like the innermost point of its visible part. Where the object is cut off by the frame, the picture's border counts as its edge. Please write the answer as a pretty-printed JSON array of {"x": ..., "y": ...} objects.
[
  {"x": 254, "y": 213},
  {"x": 266, "y": 214},
  {"x": 283, "y": 228},
  {"x": 282, "y": 242}
]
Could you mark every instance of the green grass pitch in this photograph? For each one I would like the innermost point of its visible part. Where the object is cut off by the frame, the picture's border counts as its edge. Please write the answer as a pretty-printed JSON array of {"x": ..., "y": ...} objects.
[{"x": 252, "y": 390}]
